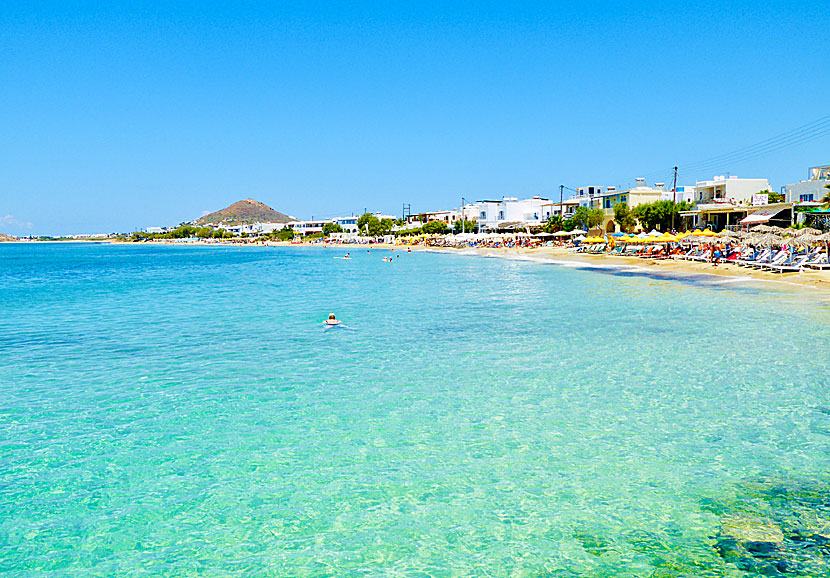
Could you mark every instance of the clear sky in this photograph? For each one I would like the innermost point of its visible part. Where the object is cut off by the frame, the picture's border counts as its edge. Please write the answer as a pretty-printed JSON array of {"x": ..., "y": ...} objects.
[{"x": 114, "y": 118}]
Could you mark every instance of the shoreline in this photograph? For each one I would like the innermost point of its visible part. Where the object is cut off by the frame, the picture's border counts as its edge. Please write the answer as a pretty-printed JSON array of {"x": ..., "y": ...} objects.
[{"x": 806, "y": 279}]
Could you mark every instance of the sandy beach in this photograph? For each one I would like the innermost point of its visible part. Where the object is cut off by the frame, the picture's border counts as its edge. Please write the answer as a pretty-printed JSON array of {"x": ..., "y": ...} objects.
[{"x": 807, "y": 278}]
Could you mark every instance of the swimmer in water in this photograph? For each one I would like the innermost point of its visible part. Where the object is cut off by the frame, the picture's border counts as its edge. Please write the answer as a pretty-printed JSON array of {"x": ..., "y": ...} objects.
[
  {"x": 348, "y": 256},
  {"x": 331, "y": 320}
]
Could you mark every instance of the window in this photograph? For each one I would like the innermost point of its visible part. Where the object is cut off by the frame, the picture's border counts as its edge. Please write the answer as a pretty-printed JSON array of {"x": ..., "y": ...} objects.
[
  {"x": 623, "y": 198},
  {"x": 806, "y": 197},
  {"x": 483, "y": 215},
  {"x": 501, "y": 215}
]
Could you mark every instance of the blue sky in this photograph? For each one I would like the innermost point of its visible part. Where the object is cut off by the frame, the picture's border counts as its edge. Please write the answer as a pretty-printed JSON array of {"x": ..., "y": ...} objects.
[{"x": 123, "y": 117}]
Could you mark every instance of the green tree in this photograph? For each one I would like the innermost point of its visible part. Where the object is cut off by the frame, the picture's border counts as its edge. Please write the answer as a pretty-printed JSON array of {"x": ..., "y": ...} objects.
[
  {"x": 183, "y": 232},
  {"x": 624, "y": 217},
  {"x": 554, "y": 223},
  {"x": 465, "y": 226},
  {"x": 658, "y": 215},
  {"x": 408, "y": 232},
  {"x": 285, "y": 234},
  {"x": 585, "y": 218},
  {"x": 386, "y": 226},
  {"x": 773, "y": 197},
  {"x": 329, "y": 228},
  {"x": 435, "y": 228},
  {"x": 826, "y": 198},
  {"x": 369, "y": 225}
]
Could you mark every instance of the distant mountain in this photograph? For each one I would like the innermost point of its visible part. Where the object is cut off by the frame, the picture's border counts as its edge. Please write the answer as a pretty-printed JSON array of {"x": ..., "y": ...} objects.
[
  {"x": 6, "y": 238},
  {"x": 243, "y": 213}
]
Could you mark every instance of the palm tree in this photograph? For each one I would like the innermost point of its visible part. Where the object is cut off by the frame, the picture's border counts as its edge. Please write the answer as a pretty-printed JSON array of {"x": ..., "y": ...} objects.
[{"x": 826, "y": 199}]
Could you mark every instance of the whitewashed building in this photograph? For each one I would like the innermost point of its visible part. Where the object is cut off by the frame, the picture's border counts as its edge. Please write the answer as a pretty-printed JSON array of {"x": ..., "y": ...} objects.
[
  {"x": 510, "y": 212},
  {"x": 811, "y": 190},
  {"x": 732, "y": 189}
]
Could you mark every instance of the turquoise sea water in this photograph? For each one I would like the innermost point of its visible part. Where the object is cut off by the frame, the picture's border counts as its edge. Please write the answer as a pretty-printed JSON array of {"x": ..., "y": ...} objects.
[{"x": 181, "y": 411}]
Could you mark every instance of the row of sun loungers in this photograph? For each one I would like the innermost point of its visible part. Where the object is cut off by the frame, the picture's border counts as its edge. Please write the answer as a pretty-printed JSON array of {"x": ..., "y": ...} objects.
[{"x": 782, "y": 261}]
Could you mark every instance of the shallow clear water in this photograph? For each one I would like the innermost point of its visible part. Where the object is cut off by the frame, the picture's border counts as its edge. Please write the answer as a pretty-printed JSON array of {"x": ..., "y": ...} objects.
[{"x": 181, "y": 411}]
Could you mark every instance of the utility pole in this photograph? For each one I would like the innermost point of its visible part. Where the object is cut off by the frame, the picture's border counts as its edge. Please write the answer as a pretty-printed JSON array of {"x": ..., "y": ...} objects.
[
  {"x": 561, "y": 200},
  {"x": 673, "y": 198},
  {"x": 463, "y": 230}
]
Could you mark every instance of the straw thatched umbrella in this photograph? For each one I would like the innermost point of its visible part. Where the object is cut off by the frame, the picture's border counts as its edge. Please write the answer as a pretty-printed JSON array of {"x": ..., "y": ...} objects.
[
  {"x": 795, "y": 242},
  {"x": 809, "y": 238},
  {"x": 767, "y": 240},
  {"x": 731, "y": 236},
  {"x": 807, "y": 231},
  {"x": 762, "y": 229}
]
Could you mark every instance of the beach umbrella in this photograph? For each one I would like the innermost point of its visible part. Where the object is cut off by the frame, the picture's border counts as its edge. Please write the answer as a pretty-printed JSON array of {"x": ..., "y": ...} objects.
[
  {"x": 578, "y": 232},
  {"x": 794, "y": 241},
  {"x": 728, "y": 234},
  {"x": 806, "y": 231},
  {"x": 809, "y": 238},
  {"x": 768, "y": 240},
  {"x": 707, "y": 233},
  {"x": 669, "y": 238},
  {"x": 761, "y": 229}
]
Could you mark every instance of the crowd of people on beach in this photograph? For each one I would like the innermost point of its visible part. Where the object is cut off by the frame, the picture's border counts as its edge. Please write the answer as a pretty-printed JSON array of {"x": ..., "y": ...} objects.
[{"x": 775, "y": 249}]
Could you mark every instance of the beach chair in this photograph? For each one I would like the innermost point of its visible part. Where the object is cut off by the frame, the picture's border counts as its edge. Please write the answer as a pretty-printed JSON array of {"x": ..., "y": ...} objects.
[
  {"x": 774, "y": 259},
  {"x": 763, "y": 257},
  {"x": 757, "y": 255},
  {"x": 702, "y": 255},
  {"x": 820, "y": 262},
  {"x": 784, "y": 261},
  {"x": 684, "y": 254},
  {"x": 796, "y": 265}
]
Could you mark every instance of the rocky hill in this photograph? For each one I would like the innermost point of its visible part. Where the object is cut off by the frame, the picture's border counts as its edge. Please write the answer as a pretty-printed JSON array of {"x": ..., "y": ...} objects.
[
  {"x": 244, "y": 212},
  {"x": 6, "y": 238}
]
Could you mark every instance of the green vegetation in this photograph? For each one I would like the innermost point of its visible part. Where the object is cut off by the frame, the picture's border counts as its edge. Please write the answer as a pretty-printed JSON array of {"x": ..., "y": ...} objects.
[
  {"x": 463, "y": 225},
  {"x": 370, "y": 225},
  {"x": 330, "y": 228},
  {"x": 184, "y": 232},
  {"x": 584, "y": 218},
  {"x": 435, "y": 228},
  {"x": 772, "y": 197},
  {"x": 408, "y": 232},
  {"x": 624, "y": 217},
  {"x": 658, "y": 215},
  {"x": 554, "y": 223},
  {"x": 284, "y": 234}
]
